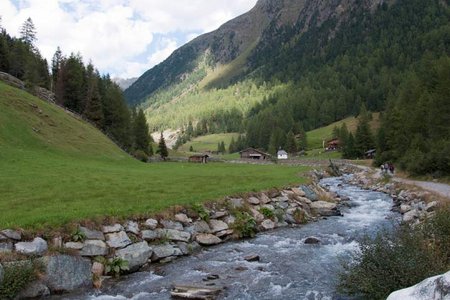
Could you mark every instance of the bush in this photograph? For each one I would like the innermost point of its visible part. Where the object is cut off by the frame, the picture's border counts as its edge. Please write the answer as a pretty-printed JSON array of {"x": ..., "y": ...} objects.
[
  {"x": 397, "y": 259},
  {"x": 300, "y": 216},
  {"x": 244, "y": 225},
  {"x": 16, "y": 277},
  {"x": 267, "y": 212},
  {"x": 201, "y": 211},
  {"x": 140, "y": 155}
]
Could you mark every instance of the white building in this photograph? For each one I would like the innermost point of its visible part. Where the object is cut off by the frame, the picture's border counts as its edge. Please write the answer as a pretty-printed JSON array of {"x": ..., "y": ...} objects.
[{"x": 281, "y": 154}]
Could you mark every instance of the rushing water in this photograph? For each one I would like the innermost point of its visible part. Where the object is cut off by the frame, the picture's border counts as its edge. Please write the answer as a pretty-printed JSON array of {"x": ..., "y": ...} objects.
[{"x": 288, "y": 268}]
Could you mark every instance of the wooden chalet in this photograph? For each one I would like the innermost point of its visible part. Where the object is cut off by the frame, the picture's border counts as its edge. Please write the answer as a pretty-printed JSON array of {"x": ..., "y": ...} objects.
[
  {"x": 201, "y": 158},
  {"x": 333, "y": 144},
  {"x": 251, "y": 153}
]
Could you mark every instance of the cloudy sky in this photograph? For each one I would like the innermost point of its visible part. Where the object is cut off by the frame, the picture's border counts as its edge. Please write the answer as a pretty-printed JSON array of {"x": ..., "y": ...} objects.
[{"x": 122, "y": 37}]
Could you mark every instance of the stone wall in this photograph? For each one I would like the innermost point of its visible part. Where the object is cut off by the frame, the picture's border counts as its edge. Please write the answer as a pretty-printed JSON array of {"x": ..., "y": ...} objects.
[{"x": 161, "y": 240}]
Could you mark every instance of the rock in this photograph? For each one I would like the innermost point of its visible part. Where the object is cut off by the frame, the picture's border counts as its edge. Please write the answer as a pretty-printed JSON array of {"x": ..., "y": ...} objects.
[
  {"x": 112, "y": 229},
  {"x": 241, "y": 268},
  {"x": 132, "y": 227},
  {"x": 183, "y": 218},
  {"x": 34, "y": 290},
  {"x": 282, "y": 205},
  {"x": 280, "y": 199},
  {"x": 431, "y": 206},
  {"x": 268, "y": 206},
  {"x": 410, "y": 216},
  {"x": 92, "y": 234},
  {"x": 207, "y": 239},
  {"x": 201, "y": 227},
  {"x": 188, "y": 248},
  {"x": 268, "y": 224},
  {"x": 151, "y": 223},
  {"x": 12, "y": 234},
  {"x": 298, "y": 192},
  {"x": 118, "y": 240},
  {"x": 195, "y": 292},
  {"x": 236, "y": 202},
  {"x": 253, "y": 200},
  {"x": 312, "y": 240},
  {"x": 149, "y": 235},
  {"x": 97, "y": 269},
  {"x": 324, "y": 208},
  {"x": 433, "y": 288},
  {"x": 2, "y": 274},
  {"x": 404, "y": 208},
  {"x": 229, "y": 220},
  {"x": 74, "y": 246},
  {"x": 172, "y": 225},
  {"x": 6, "y": 247},
  {"x": 217, "y": 225},
  {"x": 174, "y": 235},
  {"x": 136, "y": 254},
  {"x": 166, "y": 250},
  {"x": 252, "y": 257},
  {"x": 94, "y": 248},
  {"x": 36, "y": 248},
  {"x": 304, "y": 200},
  {"x": 66, "y": 273},
  {"x": 259, "y": 217},
  {"x": 218, "y": 214},
  {"x": 223, "y": 233}
]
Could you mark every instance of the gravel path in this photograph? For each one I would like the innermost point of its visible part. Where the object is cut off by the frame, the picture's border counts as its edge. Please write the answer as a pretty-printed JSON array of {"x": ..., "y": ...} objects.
[{"x": 439, "y": 188}]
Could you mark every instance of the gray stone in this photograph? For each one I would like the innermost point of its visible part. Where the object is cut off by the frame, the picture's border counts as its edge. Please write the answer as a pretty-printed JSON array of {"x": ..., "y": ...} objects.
[
  {"x": 136, "y": 254},
  {"x": 253, "y": 200},
  {"x": 324, "y": 208},
  {"x": 217, "y": 225},
  {"x": 37, "y": 247},
  {"x": 304, "y": 200},
  {"x": 75, "y": 246},
  {"x": 404, "y": 208},
  {"x": 113, "y": 228},
  {"x": 183, "y": 218},
  {"x": 166, "y": 250},
  {"x": 3, "y": 238},
  {"x": 207, "y": 239},
  {"x": 201, "y": 227},
  {"x": 236, "y": 202},
  {"x": 97, "y": 268},
  {"x": 92, "y": 234},
  {"x": 219, "y": 214},
  {"x": 67, "y": 273},
  {"x": 172, "y": 225},
  {"x": 282, "y": 205},
  {"x": 229, "y": 220},
  {"x": 118, "y": 239},
  {"x": 410, "y": 216},
  {"x": 223, "y": 233},
  {"x": 34, "y": 290},
  {"x": 174, "y": 235},
  {"x": 151, "y": 223},
  {"x": 267, "y": 224},
  {"x": 298, "y": 192},
  {"x": 184, "y": 247},
  {"x": 252, "y": 257},
  {"x": 259, "y": 217},
  {"x": 132, "y": 227},
  {"x": 12, "y": 234},
  {"x": 431, "y": 206},
  {"x": 149, "y": 235},
  {"x": 6, "y": 247},
  {"x": 94, "y": 248},
  {"x": 1, "y": 274},
  {"x": 312, "y": 240},
  {"x": 264, "y": 199}
]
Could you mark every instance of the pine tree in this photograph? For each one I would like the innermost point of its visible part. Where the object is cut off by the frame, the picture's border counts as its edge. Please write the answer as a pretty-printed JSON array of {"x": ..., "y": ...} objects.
[
  {"x": 93, "y": 109},
  {"x": 363, "y": 136},
  {"x": 28, "y": 33},
  {"x": 232, "y": 146},
  {"x": 141, "y": 133},
  {"x": 162, "y": 148},
  {"x": 222, "y": 147},
  {"x": 57, "y": 61},
  {"x": 291, "y": 143}
]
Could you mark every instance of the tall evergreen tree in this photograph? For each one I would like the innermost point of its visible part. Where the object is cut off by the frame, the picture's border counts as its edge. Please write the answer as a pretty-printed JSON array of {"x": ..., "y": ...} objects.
[
  {"x": 93, "y": 109},
  {"x": 291, "y": 145},
  {"x": 28, "y": 32},
  {"x": 141, "y": 133},
  {"x": 363, "y": 137},
  {"x": 162, "y": 148}
]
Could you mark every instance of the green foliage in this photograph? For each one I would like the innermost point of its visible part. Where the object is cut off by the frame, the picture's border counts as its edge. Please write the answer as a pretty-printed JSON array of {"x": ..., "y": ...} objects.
[
  {"x": 142, "y": 136},
  {"x": 267, "y": 212},
  {"x": 291, "y": 145},
  {"x": 300, "y": 216},
  {"x": 140, "y": 155},
  {"x": 78, "y": 235},
  {"x": 116, "y": 266},
  {"x": 200, "y": 210},
  {"x": 16, "y": 277},
  {"x": 396, "y": 260},
  {"x": 244, "y": 225},
  {"x": 162, "y": 148}
]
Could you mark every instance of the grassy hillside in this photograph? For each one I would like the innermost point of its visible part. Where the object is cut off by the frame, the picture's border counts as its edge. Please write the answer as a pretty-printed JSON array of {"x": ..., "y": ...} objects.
[
  {"x": 317, "y": 136},
  {"x": 209, "y": 142},
  {"x": 55, "y": 169}
]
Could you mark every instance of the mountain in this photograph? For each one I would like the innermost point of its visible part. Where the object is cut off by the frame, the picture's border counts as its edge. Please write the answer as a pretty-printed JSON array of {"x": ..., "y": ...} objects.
[{"x": 124, "y": 83}]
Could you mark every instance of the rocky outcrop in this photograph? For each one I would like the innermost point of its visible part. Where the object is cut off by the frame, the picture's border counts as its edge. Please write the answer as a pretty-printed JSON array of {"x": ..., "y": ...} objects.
[
  {"x": 118, "y": 239},
  {"x": 34, "y": 248},
  {"x": 94, "y": 248},
  {"x": 433, "y": 288},
  {"x": 67, "y": 273},
  {"x": 136, "y": 254}
]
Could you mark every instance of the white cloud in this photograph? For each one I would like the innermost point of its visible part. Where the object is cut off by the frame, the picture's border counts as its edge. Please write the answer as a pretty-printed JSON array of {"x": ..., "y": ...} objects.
[{"x": 117, "y": 35}]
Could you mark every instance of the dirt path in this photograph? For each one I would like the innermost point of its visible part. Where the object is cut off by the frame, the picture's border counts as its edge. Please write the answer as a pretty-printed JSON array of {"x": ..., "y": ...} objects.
[{"x": 439, "y": 188}]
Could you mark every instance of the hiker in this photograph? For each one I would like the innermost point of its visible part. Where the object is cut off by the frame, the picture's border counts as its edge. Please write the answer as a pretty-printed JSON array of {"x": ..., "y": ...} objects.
[
  {"x": 391, "y": 168},
  {"x": 382, "y": 168}
]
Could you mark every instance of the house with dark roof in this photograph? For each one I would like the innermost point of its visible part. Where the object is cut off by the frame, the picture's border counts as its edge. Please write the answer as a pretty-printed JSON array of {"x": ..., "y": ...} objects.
[{"x": 251, "y": 153}]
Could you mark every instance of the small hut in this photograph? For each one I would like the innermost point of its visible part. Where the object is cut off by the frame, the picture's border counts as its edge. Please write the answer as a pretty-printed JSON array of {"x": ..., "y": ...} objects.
[
  {"x": 281, "y": 154},
  {"x": 333, "y": 144},
  {"x": 201, "y": 158},
  {"x": 251, "y": 153}
]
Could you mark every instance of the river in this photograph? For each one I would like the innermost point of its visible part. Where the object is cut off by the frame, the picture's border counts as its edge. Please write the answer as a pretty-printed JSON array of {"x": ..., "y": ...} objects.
[{"x": 288, "y": 268}]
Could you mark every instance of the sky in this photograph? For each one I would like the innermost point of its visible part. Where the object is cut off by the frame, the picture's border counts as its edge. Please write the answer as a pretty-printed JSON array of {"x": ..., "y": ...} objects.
[{"x": 121, "y": 37}]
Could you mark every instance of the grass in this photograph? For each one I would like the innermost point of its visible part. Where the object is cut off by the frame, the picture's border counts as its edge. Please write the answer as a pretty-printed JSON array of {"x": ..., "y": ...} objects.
[
  {"x": 55, "y": 169},
  {"x": 317, "y": 136},
  {"x": 209, "y": 142}
]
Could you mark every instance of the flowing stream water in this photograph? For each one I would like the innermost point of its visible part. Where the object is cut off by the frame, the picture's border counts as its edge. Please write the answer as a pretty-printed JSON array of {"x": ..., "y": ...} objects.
[{"x": 288, "y": 268}]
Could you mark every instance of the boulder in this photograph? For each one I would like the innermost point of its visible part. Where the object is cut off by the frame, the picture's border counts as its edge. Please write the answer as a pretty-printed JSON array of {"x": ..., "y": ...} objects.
[
  {"x": 201, "y": 227},
  {"x": 267, "y": 224},
  {"x": 149, "y": 235},
  {"x": 136, "y": 254},
  {"x": 174, "y": 235},
  {"x": 218, "y": 214},
  {"x": 217, "y": 225},
  {"x": 431, "y": 206},
  {"x": 324, "y": 208},
  {"x": 223, "y": 233},
  {"x": 236, "y": 202},
  {"x": 259, "y": 217},
  {"x": 404, "y": 208},
  {"x": 190, "y": 248},
  {"x": 282, "y": 205},
  {"x": 253, "y": 200},
  {"x": 6, "y": 247},
  {"x": 35, "y": 248},
  {"x": 34, "y": 290},
  {"x": 94, "y": 248},
  {"x": 433, "y": 288},
  {"x": 166, "y": 250},
  {"x": 113, "y": 228},
  {"x": 410, "y": 216},
  {"x": 92, "y": 234},
  {"x": 304, "y": 200},
  {"x": 264, "y": 199},
  {"x": 74, "y": 246},
  {"x": 183, "y": 218},
  {"x": 207, "y": 239},
  {"x": 281, "y": 199},
  {"x": 118, "y": 239},
  {"x": 252, "y": 257},
  {"x": 151, "y": 223},
  {"x": 66, "y": 273},
  {"x": 312, "y": 240},
  {"x": 12, "y": 234},
  {"x": 299, "y": 192},
  {"x": 172, "y": 225},
  {"x": 132, "y": 227}
]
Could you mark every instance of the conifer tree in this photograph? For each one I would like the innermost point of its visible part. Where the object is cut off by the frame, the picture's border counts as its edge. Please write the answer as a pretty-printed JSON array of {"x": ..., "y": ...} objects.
[
  {"x": 141, "y": 134},
  {"x": 162, "y": 148},
  {"x": 363, "y": 137},
  {"x": 232, "y": 146},
  {"x": 291, "y": 143},
  {"x": 28, "y": 33}
]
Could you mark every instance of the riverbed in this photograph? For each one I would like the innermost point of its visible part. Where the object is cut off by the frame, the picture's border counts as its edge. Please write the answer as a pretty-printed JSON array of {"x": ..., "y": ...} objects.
[{"x": 287, "y": 267}]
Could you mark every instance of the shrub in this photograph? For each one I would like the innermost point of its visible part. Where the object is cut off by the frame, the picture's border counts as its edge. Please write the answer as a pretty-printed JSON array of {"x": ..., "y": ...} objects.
[
  {"x": 397, "y": 259},
  {"x": 78, "y": 235},
  {"x": 140, "y": 155},
  {"x": 16, "y": 277},
  {"x": 300, "y": 216},
  {"x": 114, "y": 266},
  {"x": 201, "y": 211},
  {"x": 244, "y": 225},
  {"x": 267, "y": 212}
]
